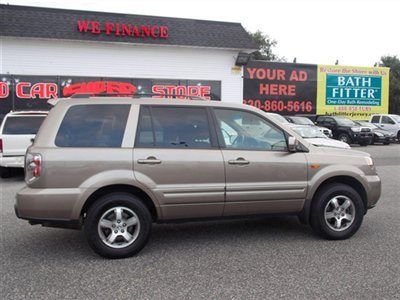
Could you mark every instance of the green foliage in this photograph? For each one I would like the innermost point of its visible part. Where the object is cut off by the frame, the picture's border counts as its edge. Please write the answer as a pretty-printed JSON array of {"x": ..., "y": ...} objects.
[
  {"x": 266, "y": 45},
  {"x": 393, "y": 62}
]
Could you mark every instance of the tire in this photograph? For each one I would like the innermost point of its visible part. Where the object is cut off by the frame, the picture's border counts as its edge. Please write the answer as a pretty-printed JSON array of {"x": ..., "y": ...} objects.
[
  {"x": 344, "y": 137},
  {"x": 386, "y": 143},
  {"x": 106, "y": 209},
  {"x": 364, "y": 144},
  {"x": 5, "y": 172},
  {"x": 398, "y": 137},
  {"x": 322, "y": 203}
]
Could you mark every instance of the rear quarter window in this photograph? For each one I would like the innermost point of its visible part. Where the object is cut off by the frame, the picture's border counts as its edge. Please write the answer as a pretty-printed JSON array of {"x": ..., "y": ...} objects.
[
  {"x": 97, "y": 125},
  {"x": 22, "y": 125}
]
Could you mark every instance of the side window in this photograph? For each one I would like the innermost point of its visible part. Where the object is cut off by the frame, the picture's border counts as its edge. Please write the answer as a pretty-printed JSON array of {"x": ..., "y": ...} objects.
[
  {"x": 387, "y": 120},
  {"x": 98, "y": 125},
  {"x": 145, "y": 137},
  {"x": 375, "y": 119},
  {"x": 175, "y": 127},
  {"x": 247, "y": 131}
]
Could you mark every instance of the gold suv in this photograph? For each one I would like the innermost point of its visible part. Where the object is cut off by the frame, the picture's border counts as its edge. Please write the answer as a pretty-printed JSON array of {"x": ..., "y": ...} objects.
[{"x": 116, "y": 165}]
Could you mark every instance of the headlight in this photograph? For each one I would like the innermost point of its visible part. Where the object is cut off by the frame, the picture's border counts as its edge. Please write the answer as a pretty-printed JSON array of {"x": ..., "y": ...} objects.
[
  {"x": 356, "y": 129},
  {"x": 369, "y": 161},
  {"x": 379, "y": 134}
]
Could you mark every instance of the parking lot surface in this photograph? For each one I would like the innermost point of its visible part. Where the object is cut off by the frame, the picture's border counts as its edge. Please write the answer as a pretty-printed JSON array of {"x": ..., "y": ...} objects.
[{"x": 236, "y": 259}]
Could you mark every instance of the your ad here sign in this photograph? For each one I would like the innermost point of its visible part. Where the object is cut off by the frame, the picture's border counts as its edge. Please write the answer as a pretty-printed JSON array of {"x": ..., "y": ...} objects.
[{"x": 288, "y": 88}]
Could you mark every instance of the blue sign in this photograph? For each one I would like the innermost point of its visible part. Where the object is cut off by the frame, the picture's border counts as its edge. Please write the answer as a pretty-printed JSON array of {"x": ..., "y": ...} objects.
[{"x": 353, "y": 90}]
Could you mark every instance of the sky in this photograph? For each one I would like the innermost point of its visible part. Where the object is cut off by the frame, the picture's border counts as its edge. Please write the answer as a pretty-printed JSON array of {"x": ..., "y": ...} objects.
[{"x": 354, "y": 32}]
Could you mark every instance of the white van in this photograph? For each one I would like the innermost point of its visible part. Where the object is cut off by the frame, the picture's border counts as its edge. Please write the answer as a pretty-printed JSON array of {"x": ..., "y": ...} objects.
[{"x": 16, "y": 133}]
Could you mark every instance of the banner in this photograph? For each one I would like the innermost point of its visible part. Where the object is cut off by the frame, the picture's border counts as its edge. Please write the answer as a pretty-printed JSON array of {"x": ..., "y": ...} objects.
[
  {"x": 290, "y": 89},
  {"x": 281, "y": 87},
  {"x": 21, "y": 92},
  {"x": 355, "y": 92}
]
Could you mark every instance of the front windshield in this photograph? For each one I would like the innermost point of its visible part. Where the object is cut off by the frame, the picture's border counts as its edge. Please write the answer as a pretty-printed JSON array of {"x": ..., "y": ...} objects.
[
  {"x": 309, "y": 132},
  {"x": 367, "y": 124},
  {"x": 302, "y": 121},
  {"x": 396, "y": 118},
  {"x": 345, "y": 122}
]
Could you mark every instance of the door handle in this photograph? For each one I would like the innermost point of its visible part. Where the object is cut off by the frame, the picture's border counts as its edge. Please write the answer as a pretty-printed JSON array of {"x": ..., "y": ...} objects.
[
  {"x": 151, "y": 160},
  {"x": 238, "y": 161}
]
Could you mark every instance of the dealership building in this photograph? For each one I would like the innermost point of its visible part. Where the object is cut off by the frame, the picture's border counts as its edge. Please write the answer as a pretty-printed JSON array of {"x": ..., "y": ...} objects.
[{"x": 48, "y": 52}]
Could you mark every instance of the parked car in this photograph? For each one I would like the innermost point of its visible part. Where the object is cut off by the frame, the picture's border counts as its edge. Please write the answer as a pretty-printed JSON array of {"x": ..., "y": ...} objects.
[
  {"x": 306, "y": 121},
  {"x": 314, "y": 136},
  {"x": 114, "y": 166},
  {"x": 16, "y": 132},
  {"x": 380, "y": 135},
  {"x": 388, "y": 122},
  {"x": 346, "y": 130}
]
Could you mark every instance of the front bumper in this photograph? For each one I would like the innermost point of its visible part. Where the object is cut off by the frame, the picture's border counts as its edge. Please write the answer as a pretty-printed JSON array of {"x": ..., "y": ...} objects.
[
  {"x": 384, "y": 139},
  {"x": 373, "y": 189},
  {"x": 12, "y": 161},
  {"x": 362, "y": 137}
]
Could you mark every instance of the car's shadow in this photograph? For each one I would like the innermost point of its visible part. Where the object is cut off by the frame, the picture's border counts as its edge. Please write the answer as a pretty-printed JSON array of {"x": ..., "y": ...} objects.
[{"x": 51, "y": 243}]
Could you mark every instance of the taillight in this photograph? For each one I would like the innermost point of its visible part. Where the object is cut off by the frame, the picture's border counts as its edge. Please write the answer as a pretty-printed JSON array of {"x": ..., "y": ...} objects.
[
  {"x": 1, "y": 146},
  {"x": 33, "y": 166}
]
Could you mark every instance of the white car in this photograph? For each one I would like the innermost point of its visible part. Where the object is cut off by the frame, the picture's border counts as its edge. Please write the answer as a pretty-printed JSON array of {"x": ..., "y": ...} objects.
[
  {"x": 314, "y": 136},
  {"x": 299, "y": 120},
  {"x": 16, "y": 133},
  {"x": 387, "y": 122}
]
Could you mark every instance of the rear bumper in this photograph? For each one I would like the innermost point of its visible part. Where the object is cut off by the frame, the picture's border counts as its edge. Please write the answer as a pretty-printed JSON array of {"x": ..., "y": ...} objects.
[
  {"x": 39, "y": 205},
  {"x": 12, "y": 161},
  {"x": 71, "y": 224}
]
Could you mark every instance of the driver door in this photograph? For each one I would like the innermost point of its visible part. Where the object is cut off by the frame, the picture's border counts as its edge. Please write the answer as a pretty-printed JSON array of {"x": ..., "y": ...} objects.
[{"x": 261, "y": 175}]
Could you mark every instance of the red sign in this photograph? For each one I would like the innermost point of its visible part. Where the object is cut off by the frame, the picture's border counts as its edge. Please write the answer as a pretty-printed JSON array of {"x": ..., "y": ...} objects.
[
  {"x": 100, "y": 87},
  {"x": 123, "y": 29},
  {"x": 181, "y": 91}
]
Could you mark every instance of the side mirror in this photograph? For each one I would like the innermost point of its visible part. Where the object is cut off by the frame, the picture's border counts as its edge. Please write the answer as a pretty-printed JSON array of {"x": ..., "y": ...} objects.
[{"x": 292, "y": 144}]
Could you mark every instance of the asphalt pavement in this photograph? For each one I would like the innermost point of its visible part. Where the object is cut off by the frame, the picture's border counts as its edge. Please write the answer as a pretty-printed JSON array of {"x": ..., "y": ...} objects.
[{"x": 237, "y": 259}]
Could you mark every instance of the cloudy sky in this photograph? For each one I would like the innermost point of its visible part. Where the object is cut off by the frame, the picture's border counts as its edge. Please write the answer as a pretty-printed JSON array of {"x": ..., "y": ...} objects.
[{"x": 356, "y": 32}]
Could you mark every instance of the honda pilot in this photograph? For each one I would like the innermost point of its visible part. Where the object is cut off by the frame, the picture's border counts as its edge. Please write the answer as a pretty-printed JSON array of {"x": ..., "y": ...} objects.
[{"x": 115, "y": 166}]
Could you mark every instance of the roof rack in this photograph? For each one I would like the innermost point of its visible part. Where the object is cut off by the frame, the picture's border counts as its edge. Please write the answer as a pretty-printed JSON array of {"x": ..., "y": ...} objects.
[{"x": 89, "y": 95}]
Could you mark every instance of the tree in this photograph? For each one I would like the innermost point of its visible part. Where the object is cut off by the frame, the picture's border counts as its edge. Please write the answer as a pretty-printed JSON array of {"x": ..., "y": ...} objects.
[
  {"x": 393, "y": 62},
  {"x": 266, "y": 45}
]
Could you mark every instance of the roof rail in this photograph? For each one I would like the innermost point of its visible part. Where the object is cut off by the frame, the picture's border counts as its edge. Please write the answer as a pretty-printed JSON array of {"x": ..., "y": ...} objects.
[{"x": 89, "y": 95}]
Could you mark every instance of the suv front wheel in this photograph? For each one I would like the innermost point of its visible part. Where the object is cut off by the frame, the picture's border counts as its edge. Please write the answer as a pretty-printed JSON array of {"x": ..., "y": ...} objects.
[
  {"x": 118, "y": 225},
  {"x": 337, "y": 212}
]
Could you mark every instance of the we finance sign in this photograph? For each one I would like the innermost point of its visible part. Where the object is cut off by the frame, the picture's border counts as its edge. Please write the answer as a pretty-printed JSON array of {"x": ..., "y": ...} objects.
[{"x": 353, "y": 90}]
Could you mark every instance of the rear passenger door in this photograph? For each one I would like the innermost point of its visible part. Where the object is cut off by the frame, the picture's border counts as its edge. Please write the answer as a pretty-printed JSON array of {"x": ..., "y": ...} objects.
[{"x": 177, "y": 157}]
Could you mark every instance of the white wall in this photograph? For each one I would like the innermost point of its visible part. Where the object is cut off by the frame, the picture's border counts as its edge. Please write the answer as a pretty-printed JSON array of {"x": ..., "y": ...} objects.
[{"x": 57, "y": 57}]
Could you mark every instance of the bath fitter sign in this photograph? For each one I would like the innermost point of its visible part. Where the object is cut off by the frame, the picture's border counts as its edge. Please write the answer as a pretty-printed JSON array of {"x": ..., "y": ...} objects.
[{"x": 353, "y": 90}]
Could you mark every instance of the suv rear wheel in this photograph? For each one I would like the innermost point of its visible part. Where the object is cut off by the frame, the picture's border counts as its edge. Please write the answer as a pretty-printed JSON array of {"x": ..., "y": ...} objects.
[
  {"x": 337, "y": 212},
  {"x": 118, "y": 225}
]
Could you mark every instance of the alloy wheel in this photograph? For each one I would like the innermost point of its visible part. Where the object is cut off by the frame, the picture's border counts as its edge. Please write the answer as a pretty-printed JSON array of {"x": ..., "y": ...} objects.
[
  {"x": 118, "y": 227},
  {"x": 339, "y": 213}
]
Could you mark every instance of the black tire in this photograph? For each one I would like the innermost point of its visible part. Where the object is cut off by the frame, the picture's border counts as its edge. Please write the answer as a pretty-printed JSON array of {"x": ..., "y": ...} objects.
[
  {"x": 364, "y": 144},
  {"x": 344, "y": 137},
  {"x": 5, "y": 172},
  {"x": 106, "y": 203},
  {"x": 317, "y": 219},
  {"x": 386, "y": 143},
  {"x": 398, "y": 137}
]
